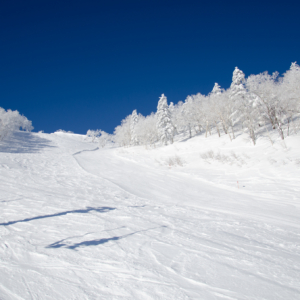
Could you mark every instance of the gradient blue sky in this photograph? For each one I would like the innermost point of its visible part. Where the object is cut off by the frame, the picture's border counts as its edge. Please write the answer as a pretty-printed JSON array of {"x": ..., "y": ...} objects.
[{"x": 79, "y": 65}]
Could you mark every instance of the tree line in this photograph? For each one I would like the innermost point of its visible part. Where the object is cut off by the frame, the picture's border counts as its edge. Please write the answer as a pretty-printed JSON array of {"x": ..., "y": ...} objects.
[{"x": 255, "y": 105}]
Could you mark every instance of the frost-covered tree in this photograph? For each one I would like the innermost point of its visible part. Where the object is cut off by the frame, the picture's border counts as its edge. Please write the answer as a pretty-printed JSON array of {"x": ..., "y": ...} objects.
[
  {"x": 171, "y": 107},
  {"x": 290, "y": 94},
  {"x": 11, "y": 121},
  {"x": 271, "y": 105},
  {"x": 173, "y": 112},
  {"x": 262, "y": 85},
  {"x": 237, "y": 87},
  {"x": 100, "y": 136},
  {"x": 237, "y": 94},
  {"x": 249, "y": 115},
  {"x": 123, "y": 133},
  {"x": 133, "y": 122},
  {"x": 105, "y": 138},
  {"x": 250, "y": 104},
  {"x": 197, "y": 112},
  {"x": 215, "y": 101},
  {"x": 176, "y": 116},
  {"x": 216, "y": 89},
  {"x": 164, "y": 124},
  {"x": 244, "y": 105},
  {"x": 93, "y": 134},
  {"x": 187, "y": 115},
  {"x": 222, "y": 107},
  {"x": 146, "y": 130},
  {"x": 291, "y": 86},
  {"x": 63, "y": 131},
  {"x": 207, "y": 115}
]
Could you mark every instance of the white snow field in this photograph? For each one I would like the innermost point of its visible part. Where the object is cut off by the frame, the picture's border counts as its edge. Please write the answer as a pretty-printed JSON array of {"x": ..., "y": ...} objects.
[{"x": 203, "y": 218}]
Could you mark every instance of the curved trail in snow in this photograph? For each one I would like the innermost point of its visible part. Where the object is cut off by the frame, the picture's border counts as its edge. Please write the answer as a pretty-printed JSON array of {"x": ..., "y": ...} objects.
[{"x": 165, "y": 186}]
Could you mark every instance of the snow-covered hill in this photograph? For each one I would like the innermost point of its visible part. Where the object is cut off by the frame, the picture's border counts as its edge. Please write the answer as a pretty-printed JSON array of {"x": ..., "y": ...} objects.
[{"x": 204, "y": 218}]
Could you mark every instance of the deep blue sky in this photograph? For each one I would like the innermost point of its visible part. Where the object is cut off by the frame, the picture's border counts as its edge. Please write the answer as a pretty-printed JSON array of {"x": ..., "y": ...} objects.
[{"x": 79, "y": 65}]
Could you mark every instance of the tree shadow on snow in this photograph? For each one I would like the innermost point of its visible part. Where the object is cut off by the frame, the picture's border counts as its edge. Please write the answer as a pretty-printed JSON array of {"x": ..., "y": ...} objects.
[
  {"x": 24, "y": 142},
  {"x": 97, "y": 242},
  {"x": 61, "y": 243},
  {"x": 77, "y": 211}
]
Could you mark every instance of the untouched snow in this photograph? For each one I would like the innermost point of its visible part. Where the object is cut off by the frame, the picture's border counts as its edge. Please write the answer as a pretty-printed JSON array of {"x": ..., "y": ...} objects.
[{"x": 200, "y": 219}]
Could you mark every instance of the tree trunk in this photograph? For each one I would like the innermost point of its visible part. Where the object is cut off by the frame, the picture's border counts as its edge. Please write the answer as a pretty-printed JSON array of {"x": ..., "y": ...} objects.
[
  {"x": 218, "y": 130},
  {"x": 232, "y": 130},
  {"x": 279, "y": 125}
]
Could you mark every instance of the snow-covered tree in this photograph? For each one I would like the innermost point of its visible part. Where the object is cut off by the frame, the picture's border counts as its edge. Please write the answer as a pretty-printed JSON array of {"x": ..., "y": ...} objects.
[
  {"x": 248, "y": 104},
  {"x": 221, "y": 110},
  {"x": 123, "y": 133},
  {"x": 249, "y": 115},
  {"x": 146, "y": 130},
  {"x": 100, "y": 136},
  {"x": 216, "y": 89},
  {"x": 187, "y": 114},
  {"x": 63, "y": 131},
  {"x": 290, "y": 94},
  {"x": 105, "y": 138},
  {"x": 133, "y": 122},
  {"x": 173, "y": 111},
  {"x": 171, "y": 107},
  {"x": 93, "y": 134},
  {"x": 176, "y": 116},
  {"x": 193, "y": 108},
  {"x": 237, "y": 87},
  {"x": 271, "y": 105},
  {"x": 237, "y": 94},
  {"x": 164, "y": 124},
  {"x": 215, "y": 101},
  {"x": 11, "y": 121}
]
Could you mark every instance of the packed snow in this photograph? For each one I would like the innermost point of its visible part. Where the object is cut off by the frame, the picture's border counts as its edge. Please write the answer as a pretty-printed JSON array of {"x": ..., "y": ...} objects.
[{"x": 203, "y": 218}]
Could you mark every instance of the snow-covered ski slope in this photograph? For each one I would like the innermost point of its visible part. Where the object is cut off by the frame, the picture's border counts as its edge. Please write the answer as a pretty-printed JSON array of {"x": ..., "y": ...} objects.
[{"x": 204, "y": 218}]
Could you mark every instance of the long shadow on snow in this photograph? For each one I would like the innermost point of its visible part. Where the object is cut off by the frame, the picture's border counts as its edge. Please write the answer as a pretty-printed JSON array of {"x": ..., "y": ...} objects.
[
  {"x": 77, "y": 211},
  {"x": 24, "y": 142},
  {"x": 61, "y": 243}
]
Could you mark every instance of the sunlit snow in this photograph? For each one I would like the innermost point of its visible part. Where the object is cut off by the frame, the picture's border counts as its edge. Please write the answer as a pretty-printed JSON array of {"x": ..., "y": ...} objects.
[{"x": 203, "y": 218}]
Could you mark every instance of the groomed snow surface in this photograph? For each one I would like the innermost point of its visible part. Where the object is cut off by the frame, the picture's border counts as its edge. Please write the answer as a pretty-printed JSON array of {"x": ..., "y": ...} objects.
[{"x": 203, "y": 218}]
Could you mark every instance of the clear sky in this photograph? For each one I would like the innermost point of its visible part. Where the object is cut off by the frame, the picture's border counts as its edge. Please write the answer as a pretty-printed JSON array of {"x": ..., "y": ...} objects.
[{"x": 80, "y": 64}]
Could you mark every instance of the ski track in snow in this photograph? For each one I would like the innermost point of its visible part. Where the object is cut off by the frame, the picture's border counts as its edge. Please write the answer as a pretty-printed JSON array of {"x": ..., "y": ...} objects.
[{"x": 79, "y": 222}]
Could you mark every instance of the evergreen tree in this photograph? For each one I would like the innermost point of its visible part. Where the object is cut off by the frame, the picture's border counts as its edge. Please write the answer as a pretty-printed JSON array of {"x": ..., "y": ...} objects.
[
  {"x": 133, "y": 122},
  {"x": 164, "y": 124},
  {"x": 290, "y": 95},
  {"x": 216, "y": 102},
  {"x": 237, "y": 95},
  {"x": 237, "y": 87},
  {"x": 216, "y": 90}
]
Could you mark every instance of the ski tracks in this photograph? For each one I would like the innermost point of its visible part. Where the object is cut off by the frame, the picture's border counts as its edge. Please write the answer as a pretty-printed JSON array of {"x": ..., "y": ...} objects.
[{"x": 71, "y": 232}]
